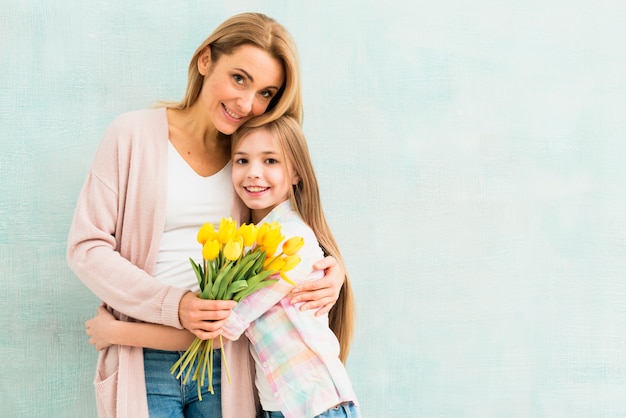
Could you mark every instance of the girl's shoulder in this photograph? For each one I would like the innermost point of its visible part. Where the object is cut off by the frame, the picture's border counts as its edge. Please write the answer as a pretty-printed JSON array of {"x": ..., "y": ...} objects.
[
  {"x": 291, "y": 223},
  {"x": 295, "y": 226}
]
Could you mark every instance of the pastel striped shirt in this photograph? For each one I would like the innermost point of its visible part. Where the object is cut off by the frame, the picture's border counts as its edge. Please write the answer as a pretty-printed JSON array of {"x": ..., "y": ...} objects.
[{"x": 298, "y": 352}]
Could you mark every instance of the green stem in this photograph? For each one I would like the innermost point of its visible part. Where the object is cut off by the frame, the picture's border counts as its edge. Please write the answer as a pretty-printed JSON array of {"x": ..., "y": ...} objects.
[
  {"x": 189, "y": 356},
  {"x": 211, "y": 370},
  {"x": 225, "y": 360},
  {"x": 192, "y": 348}
]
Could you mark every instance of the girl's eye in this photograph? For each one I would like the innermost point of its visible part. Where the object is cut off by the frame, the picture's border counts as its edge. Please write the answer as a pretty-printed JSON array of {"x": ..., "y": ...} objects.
[
  {"x": 271, "y": 161},
  {"x": 238, "y": 79},
  {"x": 241, "y": 161}
]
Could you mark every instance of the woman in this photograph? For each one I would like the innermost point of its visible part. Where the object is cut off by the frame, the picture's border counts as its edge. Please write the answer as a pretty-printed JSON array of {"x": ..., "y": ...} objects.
[{"x": 157, "y": 176}]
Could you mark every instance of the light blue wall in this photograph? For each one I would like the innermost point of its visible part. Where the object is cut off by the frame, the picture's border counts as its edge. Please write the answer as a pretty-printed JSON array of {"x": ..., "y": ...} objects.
[{"x": 471, "y": 156}]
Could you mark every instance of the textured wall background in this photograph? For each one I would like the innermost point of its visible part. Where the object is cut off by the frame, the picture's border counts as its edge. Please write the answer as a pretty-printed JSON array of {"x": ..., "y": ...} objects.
[{"x": 471, "y": 155}]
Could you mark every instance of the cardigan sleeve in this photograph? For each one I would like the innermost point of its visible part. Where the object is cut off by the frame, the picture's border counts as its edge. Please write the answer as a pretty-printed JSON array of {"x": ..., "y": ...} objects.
[{"x": 112, "y": 236}]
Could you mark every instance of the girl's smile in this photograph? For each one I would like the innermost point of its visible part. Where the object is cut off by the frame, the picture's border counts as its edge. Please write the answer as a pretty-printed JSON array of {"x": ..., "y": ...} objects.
[{"x": 255, "y": 190}]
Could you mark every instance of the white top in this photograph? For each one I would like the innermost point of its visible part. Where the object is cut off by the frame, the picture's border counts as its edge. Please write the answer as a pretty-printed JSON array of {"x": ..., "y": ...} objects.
[{"x": 192, "y": 200}]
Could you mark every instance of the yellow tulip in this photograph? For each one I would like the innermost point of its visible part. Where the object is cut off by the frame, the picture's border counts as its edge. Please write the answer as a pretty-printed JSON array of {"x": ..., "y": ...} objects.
[
  {"x": 274, "y": 263},
  {"x": 210, "y": 250},
  {"x": 205, "y": 233},
  {"x": 292, "y": 245},
  {"x": 260, "y": 233},
  {"x": 270, "y": 251},
  {"x": 271, "y": 239},
  {"x": 290, "y": 262},
  {"x": 249, "y": 233},
  {"x": 232, "y": 250},
  {"x": 287, "y": 279},
  {"x": 227, "y": 230}
]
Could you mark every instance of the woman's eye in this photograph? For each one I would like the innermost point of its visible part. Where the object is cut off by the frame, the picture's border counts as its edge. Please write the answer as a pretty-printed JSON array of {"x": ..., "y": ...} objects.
[
  {"x": 238, "y": 79},
  {"x": 271, "y": 161},
  {"x": 241, "y": 161},
  {"x": 267, "y": 94}
]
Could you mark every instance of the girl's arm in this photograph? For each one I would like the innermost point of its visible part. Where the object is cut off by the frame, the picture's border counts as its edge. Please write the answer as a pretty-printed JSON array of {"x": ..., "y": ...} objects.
[
  {"x": 104, "y": 330},
  {"x": 252, "y": 307},
  {"x": 320, "y": 294},
  {"x": 259, "y": 302}
]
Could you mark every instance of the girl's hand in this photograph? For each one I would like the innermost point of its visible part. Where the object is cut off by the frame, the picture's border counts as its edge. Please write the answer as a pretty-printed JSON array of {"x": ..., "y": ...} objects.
[
  {"x": 204, "y": 318},
  {"x": 320, "y": 294},
  {"x": 99, "y": 328}
]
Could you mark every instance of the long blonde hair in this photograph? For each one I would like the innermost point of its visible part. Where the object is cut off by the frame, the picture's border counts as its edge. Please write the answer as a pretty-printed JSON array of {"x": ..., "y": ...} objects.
[
  {"x": 265, "y": 33},
  {"x": 305, "y": 200}
]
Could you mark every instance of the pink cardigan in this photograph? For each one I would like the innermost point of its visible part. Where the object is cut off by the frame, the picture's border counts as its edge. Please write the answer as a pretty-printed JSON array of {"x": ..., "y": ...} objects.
[{"x": 112, "y": 247}]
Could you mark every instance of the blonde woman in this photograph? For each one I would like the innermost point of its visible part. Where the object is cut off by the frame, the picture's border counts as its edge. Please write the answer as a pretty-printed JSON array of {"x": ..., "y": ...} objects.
[{"x": 156, "y": 177}]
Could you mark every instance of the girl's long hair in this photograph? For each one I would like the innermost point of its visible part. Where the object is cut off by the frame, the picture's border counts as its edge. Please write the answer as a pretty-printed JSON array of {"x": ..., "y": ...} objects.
[
  {"x": 263, "y": 32},
  {"x": 305, "y": 200}
]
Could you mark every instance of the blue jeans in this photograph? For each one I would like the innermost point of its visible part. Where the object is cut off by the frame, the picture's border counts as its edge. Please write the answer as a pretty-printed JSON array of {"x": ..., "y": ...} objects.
[
  {"x": 168, "y": 397},
  {"x": 344, "y": 410}
]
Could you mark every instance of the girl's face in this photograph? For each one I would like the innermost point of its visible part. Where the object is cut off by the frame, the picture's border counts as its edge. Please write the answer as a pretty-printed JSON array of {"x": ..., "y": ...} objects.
[
  {"x": 238, "y": 86},
  {"x": 261, "y": 177}
]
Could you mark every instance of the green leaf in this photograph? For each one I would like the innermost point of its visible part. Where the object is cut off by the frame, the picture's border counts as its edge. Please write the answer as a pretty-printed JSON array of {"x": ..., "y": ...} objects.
[
  {"x": 250, "y": 290},
  {"x": 254, "y": 280},
  {"x": 235, "y": 287},
  {"x": 226, "y": 281},
  {"x": 216, "y": 285},
  {"x": 247, "y": 263},
  {"x": 258, "y": 263},
  {"x": 199, "y": 273}
]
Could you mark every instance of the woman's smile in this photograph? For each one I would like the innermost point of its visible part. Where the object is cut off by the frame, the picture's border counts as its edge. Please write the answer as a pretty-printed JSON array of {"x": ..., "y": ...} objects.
[{"x": 232, "y": 114}]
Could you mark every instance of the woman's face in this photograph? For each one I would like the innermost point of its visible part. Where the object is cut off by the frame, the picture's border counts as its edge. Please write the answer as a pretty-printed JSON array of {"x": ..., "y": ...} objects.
[
  {"x": 261, "y": 176},
  {"x": 238, "y": 86}
]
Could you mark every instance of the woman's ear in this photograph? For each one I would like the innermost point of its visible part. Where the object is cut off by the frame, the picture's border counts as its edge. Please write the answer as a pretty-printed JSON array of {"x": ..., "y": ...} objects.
[
  {"x": 295, "y": 179},
  {"x": 204, "y": 61}
]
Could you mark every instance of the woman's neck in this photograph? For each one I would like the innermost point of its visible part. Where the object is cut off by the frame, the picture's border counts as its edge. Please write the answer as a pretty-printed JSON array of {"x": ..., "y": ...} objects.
[
  {"x": 200, "y": 145},
  {"x": 193, "y": 126}
]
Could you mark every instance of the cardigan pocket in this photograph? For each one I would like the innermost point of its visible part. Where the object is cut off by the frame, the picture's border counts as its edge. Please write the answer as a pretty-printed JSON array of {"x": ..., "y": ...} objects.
[{"x": 105, "y": 383}]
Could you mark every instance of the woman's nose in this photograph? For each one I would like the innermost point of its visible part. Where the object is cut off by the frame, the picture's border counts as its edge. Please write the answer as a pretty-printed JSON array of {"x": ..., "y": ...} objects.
[{"x": 245, "y": 102}]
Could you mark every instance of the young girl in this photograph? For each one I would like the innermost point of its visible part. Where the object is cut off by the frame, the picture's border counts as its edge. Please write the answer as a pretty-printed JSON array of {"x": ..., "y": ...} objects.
[{"x": 298, "y": 357}]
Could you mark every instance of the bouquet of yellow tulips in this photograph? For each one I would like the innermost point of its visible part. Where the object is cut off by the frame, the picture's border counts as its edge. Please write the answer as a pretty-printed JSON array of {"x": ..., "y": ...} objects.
[{"x": 236, "y": 262}]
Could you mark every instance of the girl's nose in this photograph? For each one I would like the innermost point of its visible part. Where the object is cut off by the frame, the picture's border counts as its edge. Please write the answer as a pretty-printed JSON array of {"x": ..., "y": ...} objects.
[{"x": 253, "y": 170}]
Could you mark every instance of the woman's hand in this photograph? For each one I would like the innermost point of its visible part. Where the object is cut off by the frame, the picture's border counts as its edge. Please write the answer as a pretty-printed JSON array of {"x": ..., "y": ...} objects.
[
  {"x": 99, "y": 328},
  {"x": 320, "y": 294},
  {"x": 204, "y": 318}
]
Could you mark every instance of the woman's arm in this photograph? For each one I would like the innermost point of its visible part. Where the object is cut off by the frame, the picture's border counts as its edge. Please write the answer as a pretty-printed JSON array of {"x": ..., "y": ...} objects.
[
  {"x": 109, "y": 252},
  {"x": 320, "y": 294},
  {"x": 104, "y": 330}
]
